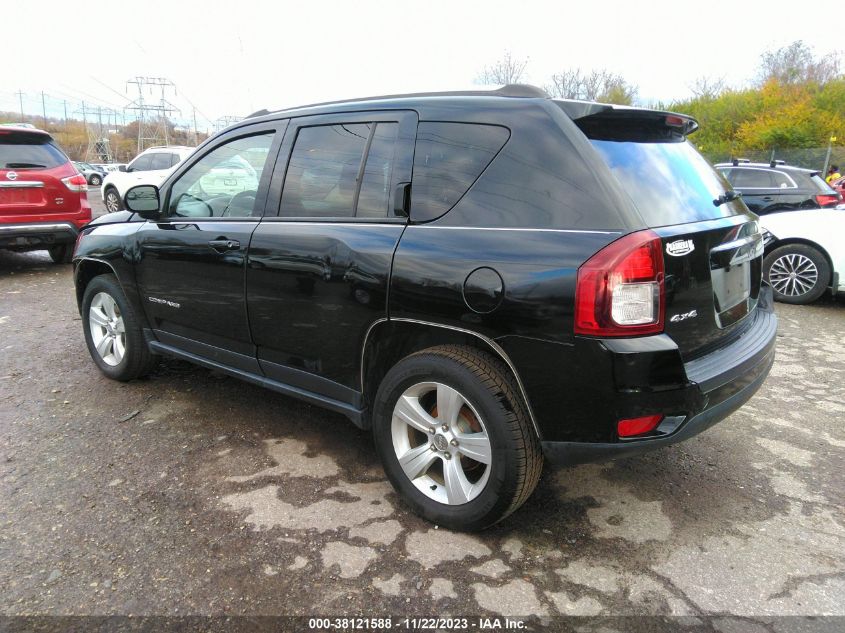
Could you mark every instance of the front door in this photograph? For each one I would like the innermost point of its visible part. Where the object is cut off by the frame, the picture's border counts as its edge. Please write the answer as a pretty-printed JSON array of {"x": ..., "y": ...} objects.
[
  {"x": 318, "y": 274},
  {"x": 190, "y": 267}
]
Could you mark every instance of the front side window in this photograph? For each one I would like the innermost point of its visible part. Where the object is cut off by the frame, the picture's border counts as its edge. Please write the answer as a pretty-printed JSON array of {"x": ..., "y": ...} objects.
[
  {"x": 142, "y": 163},
  {"x": 224, "y": 182}
]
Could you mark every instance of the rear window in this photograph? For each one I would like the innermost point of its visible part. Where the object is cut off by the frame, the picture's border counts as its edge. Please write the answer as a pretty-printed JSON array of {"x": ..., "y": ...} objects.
[
  {"x": 668, "y": 181},
  {"x": 29, "y": 151},
  {"x": 449, "y": 157}
]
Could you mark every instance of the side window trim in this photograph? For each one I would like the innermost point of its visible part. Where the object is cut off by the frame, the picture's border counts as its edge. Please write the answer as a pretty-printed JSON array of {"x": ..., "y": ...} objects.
[
  {"x": 277, "y": 128},
  {"x": 403, "y": 160}
]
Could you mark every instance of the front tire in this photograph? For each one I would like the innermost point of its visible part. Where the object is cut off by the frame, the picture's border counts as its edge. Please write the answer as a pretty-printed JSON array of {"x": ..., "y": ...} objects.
[
  {"x": 798, "y": 273},
  {"x": 95, "y": 180},
  {"x": 113, "y": 331},
  {"x": 455, "y": 437},
  {"x": 112, "y": 201},
  {"x": 61, "y": 253}
]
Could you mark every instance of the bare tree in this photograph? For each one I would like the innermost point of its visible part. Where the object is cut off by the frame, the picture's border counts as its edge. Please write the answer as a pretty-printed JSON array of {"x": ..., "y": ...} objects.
[
  {"x": 797, "y": 63},
  {"x": 597, "y": 85},
  {"x": 708, "y": 87},
  {"x": 505, "y": 71}
]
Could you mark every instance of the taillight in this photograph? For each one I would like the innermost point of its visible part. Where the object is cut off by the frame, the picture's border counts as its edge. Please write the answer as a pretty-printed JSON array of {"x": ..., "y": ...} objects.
[
  {"x": 76, "y": 183},
  {"x": 828, "y": 199},
  {"x": 620, "y": 290},
  {"x": 638, "y": 426}
]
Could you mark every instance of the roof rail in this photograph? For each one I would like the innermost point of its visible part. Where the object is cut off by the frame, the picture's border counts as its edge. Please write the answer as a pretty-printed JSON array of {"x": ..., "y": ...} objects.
[
  {"x": 508, "y": 90},
  {"x": 737, "y": 161},
  {"x": 775, "y": 163}
]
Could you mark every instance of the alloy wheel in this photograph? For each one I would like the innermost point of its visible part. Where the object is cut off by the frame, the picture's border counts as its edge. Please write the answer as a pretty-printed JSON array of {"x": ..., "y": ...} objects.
[
  {"x": 441, "y": 443},
  {"x": 793, "y": 275},
  {"x": 112, "y": 202},
  {"x": 108, "y": 331}
]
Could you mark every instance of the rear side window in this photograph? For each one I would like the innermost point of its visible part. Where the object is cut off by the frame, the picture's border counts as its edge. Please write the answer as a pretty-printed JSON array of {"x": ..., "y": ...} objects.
[
  {"x": 29, "y": 151},
  {"x": 341, "y": 171},
  {"x": 752, "y": 179},
  {"x": 668, "y": 181},
  {"x": 160, "y": 161},
  {"x": 448, "y": 159}
]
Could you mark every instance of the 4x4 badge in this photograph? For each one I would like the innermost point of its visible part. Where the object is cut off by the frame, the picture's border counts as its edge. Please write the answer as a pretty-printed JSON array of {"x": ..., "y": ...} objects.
[{"x": 680, "y": 247}]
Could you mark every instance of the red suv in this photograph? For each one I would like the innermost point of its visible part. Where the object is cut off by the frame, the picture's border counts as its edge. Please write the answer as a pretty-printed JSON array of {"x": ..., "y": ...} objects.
[{"x": 43, "y": 199}]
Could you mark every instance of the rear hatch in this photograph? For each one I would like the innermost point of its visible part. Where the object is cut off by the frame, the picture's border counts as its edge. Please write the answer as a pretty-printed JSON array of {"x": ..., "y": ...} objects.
[
  {"x": 31, "y": 171},
  {"x": 712, "y": 244}
]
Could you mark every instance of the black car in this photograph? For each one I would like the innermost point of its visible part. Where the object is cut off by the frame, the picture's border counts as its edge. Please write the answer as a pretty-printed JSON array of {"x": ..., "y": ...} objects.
[
  {"x": 775, "y": 186},
  {"x": 480, "y": 278}
]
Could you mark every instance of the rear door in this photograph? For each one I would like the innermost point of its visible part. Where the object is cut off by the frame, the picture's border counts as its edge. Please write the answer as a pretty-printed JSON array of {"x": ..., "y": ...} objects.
[
  {"x": 31, "y": 172},
  {"x": 712, "y": 245},
  {"x": 318, "y": 273}
]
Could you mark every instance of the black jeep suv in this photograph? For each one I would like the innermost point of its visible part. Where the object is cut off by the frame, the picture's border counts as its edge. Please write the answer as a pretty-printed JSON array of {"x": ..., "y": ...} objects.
[{"x": 481, "y": 278}]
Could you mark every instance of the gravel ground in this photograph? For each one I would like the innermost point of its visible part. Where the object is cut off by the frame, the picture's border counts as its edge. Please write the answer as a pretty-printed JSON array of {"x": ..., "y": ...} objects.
[{"x": 193, "y": 493}]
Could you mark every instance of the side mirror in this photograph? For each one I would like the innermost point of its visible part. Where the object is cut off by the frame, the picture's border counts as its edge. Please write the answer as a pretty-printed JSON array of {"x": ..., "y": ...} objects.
[
  {"x": 122, "y": 168},
  {"x": 143, "y": 200}
]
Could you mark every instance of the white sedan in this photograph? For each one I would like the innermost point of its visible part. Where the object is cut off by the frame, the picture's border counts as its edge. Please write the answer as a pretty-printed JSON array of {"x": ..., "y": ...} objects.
[{"x": 805, "y": 253}]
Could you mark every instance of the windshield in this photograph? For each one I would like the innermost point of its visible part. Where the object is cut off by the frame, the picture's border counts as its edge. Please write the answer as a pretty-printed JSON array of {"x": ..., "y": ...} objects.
[{"x": 669, "y": 182}]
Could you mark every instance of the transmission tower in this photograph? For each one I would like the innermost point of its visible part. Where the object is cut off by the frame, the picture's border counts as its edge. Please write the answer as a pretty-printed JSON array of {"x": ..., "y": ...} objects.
[
  {"x": 225, "y": 121},
  {"x": 153, "y": 126},
  {"x": 98, "y": 148}
]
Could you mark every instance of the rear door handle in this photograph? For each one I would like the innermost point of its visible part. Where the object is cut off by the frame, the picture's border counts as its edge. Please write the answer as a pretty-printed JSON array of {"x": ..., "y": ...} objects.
[{"x": 221, "y": 246}]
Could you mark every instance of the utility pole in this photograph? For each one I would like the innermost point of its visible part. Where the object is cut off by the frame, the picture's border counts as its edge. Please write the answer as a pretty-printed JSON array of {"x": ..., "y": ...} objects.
[
  {"x": 20, "y": 97},
  {"x": 65, "y": 102},
  {"x": 827, "y": 157},
  {"x": 196, "y": 135},
  {"x": 44, "y": 109}
]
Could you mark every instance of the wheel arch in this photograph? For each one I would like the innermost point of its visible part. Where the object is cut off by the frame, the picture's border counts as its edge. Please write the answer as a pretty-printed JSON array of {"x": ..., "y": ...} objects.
[
  {"x": 389, "y": 341},
  {"x": 86, "y": 270},
  {"x": 805, "y": 242}
]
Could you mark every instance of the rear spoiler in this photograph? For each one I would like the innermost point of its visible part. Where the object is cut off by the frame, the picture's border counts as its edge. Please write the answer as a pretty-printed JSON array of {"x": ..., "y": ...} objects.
[{"x": 598, "y": 120}]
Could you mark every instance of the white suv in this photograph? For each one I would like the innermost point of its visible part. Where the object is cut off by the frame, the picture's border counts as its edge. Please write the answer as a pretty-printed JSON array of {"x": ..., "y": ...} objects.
[{"x": 150, "y": 167}]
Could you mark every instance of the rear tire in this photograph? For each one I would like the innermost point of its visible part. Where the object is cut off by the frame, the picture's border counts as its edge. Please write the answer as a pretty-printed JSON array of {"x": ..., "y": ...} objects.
[
  {"x": 95, "y": 181},
  {"x": 112, "y": 200},
  {"x": 798, "y": 273},
  {"x": 463, "y": 402},
  {"x": 113, "y": 331},
  {"x": 61, "y": 253}
]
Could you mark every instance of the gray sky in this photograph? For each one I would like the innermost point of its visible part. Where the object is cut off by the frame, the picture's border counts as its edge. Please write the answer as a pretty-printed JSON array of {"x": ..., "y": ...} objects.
[{"x": 231, "y": 58}]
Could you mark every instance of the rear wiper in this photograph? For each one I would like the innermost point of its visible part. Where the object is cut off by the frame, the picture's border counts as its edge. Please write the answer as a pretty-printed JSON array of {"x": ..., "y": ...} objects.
[
  {"x": 728, "y": 196},
  {"x": 24, "y": 165}
]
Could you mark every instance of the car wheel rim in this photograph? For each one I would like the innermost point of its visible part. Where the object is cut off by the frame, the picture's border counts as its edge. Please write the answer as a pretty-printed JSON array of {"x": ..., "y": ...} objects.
[
  {"x": 108, "y": 331},
  {"x": 441, "y": 443},
  {"x": 793, "y": 275},
  {"x": 111, "y": 202}
]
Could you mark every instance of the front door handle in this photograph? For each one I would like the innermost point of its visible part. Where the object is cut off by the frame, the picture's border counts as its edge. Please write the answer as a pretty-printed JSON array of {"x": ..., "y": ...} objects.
[{"x": 221, "y": 246}]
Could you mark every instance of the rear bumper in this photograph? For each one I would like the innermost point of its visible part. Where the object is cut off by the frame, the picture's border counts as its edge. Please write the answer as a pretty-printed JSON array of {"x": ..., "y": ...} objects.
[
  {"x": 721, "y": 382},
  {"x": 37, "y": 234}
]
